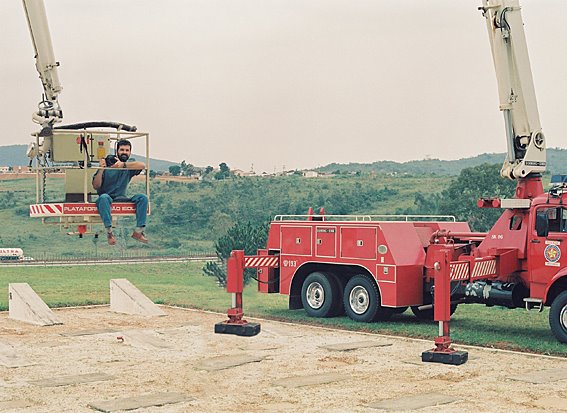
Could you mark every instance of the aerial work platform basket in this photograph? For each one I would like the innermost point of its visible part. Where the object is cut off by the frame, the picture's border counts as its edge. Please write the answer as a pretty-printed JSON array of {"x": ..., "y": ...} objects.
[{"x": 74, "y": 154}]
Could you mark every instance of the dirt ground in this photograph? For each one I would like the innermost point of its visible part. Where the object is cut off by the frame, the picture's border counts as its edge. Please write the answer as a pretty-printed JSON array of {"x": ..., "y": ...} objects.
[{"x": 288, "y": 369}]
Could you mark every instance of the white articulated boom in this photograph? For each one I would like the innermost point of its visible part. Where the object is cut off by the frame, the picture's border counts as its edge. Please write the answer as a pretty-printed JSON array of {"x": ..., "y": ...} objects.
[
  {"x": 525, "y": 140},
  {"x": 49, "y": 111}
]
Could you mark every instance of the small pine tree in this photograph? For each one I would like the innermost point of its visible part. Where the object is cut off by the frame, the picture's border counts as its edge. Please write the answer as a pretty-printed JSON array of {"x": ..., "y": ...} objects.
[{"x": 245, "y": 237}]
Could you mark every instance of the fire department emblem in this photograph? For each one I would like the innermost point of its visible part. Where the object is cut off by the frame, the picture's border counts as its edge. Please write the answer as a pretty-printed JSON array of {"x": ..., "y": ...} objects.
[{"x": 552, "y": 253}]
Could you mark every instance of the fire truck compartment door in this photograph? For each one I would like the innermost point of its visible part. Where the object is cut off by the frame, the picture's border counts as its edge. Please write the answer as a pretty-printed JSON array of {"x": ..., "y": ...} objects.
[
  {"x": 296, "y": 240},
  {"x": 325, "y": 241},
  {"x": 358, "y": 242}
]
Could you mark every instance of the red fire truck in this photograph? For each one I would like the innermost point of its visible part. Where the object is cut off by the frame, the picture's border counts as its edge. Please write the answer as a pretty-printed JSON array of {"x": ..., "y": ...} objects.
[{"x": 371, "y": 267}]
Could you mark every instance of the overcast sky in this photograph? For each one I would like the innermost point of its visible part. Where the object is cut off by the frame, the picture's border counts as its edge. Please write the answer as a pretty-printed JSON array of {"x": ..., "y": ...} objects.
[{"x": 274, "y": 83}]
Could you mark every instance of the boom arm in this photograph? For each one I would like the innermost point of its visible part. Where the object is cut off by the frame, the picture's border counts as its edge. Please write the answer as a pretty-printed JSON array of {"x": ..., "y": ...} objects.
[
  {"x": 49, "y": 111},
  {"x": 525, "y": 140}
]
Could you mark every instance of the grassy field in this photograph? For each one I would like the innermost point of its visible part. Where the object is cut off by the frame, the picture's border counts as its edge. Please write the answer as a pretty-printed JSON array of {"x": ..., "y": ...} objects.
[
  {"x": 184, "y": 285},
  {"x": 189, "y": 217}
]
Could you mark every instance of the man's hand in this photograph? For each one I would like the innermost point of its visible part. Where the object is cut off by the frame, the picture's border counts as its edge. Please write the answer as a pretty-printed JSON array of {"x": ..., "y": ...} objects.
[{"x": 102, "y": 163}]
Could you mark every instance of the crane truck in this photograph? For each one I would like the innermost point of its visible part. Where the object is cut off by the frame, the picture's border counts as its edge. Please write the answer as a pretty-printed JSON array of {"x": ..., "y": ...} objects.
[
  {"x": 372, "y": 267},
  {"x": 74, "y": 149}
]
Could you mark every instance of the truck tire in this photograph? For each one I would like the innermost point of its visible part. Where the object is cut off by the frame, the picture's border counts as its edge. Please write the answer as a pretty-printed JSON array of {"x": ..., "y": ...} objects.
[
  {"x": 428, "y": 313},
  {"x": 558, "y": 317},
  {"x": 361, "y": 300},
  {"x": 319, "y": 295}
]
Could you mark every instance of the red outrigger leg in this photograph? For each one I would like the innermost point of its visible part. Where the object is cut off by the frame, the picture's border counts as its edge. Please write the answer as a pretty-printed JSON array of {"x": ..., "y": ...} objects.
[
  {"x": 443, "y": 352},
  {"x": 236, "y": 324}
]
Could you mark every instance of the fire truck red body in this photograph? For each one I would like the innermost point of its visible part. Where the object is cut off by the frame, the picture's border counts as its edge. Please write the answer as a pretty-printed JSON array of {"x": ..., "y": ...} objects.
[{"x": 393, "y": 254}]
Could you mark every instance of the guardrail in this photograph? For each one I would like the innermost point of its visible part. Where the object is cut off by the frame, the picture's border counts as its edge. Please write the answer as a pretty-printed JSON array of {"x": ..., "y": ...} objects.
[
  {"x": 100, "y": 260},
  {"x": 406, "y": 218}
]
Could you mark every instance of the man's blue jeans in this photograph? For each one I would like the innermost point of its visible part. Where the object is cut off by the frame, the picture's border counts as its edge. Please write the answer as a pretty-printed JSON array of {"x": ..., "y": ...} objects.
[{"x": 104, "y": 206}]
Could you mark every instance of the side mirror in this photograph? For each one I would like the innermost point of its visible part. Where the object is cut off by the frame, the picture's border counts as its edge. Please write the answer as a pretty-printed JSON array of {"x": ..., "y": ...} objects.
[{"x": 542, "y": 224}]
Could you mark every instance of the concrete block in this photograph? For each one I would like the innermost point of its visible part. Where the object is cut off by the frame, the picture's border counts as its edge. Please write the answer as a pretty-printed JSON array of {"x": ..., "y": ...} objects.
[
  {"x": 145, "y": 340},
  {"x": 57, "y": 381},
  {"x": 542, "y": 376},
  {"x": 226, "y": 362},
  {"x": 139, "y": 402},
  {"x": 92, "y": 332},
  {"x": 25, "y": 305},
  {"x": 312, "y": 380},
  {"x": 11, "y": 358},
  {"x": 126, "y": 298},
  {"x": 410, "y": 403},
  {"x": 356, "y": 345}
]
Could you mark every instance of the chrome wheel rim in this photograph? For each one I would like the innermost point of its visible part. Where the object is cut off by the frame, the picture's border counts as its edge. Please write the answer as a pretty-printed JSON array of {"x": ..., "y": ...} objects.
[
  {"x": 315, "y": 295},
  {"x": 359, "y": 299},
  {"x": 563, "y": 318}
]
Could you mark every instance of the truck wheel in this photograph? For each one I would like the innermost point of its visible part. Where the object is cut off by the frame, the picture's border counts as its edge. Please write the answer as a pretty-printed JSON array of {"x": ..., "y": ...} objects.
[
  {"x": 362, "y": 300},
  {"x": 319, "y": 295},
  {"x": 428, "y": 314},
  {"x": 558, "y": 317}
]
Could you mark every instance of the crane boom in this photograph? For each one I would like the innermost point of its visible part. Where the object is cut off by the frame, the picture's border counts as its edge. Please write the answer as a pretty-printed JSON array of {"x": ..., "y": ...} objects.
[
  {"x": 526, "y": 152},
  {"x": 49, "y": 111}
]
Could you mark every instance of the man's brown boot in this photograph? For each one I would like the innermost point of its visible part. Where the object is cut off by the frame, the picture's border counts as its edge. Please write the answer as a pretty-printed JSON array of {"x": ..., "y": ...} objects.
[
  {"x": 140, "y": 236},
  {"x": 111, "y": 239}
]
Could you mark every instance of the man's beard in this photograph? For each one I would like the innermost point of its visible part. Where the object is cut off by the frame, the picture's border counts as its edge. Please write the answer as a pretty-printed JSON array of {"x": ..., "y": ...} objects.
[{"x": 123, "y": 157}]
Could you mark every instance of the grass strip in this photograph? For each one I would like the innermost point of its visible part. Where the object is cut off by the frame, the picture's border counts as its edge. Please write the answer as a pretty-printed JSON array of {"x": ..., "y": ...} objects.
[{"x": 183, "y": 284}]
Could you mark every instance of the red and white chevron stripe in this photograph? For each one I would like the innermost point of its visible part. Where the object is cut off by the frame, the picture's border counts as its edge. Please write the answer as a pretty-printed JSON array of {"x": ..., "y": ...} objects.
[
  {"x": 46, "y": 210},
  {"x": 484, "y": 268},
  {"x": 459, "y": 271},
  {"x": 261, "y": 261}
]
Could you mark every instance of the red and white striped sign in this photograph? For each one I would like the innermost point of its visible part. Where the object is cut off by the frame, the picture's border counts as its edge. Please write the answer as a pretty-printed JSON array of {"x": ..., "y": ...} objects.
[
  {"x": 482, "y": 268},
  {"x": 261, "y": 261},
  {"x": 459, "y": 271},
  {"x": 46, "y": 210}
]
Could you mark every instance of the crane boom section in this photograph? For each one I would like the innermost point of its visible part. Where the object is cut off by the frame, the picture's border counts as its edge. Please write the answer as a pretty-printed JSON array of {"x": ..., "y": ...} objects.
[
  {"x": 49, "y": 110},
  {"x": 525, "y": 140}
]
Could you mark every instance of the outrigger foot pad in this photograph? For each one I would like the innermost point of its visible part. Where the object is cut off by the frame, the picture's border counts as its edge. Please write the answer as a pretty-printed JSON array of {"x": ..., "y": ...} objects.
[
  {"x": 456, "y": 358},
  {"x": 247, "y": 330}
]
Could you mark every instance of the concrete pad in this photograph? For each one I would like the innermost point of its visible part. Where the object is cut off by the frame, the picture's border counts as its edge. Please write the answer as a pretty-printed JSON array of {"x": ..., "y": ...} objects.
[
  {"x": 311, "y": 380},
  {"x": 139, "y": 338},
  {"x": 25, "y": 305},
  {"x": 552, "y": 404},
  {"x": 10, "y": 405},
  {"x": 260, "y": 347},
  {"x": 413, "y": 402},
  {"x": 542, "y": 376},
  {"x": 126, "y": 298},
  {"x": 10, "y": 358},
  {"x": 226, "y": 362},
  {"x": 138, "y": 402},
  {"x": 279, "y": 331},
  {"x": 356, "y": 345},
  {"x": 68, "y": 380},
  {"x": 79, "y": 333}
]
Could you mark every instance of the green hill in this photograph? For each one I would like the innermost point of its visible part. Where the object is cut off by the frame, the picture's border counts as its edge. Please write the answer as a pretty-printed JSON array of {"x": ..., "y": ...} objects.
[{"x": 556, "y": 158}]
